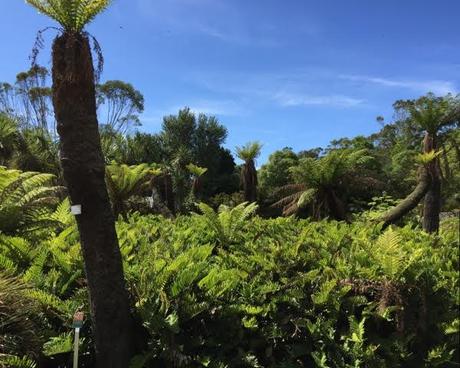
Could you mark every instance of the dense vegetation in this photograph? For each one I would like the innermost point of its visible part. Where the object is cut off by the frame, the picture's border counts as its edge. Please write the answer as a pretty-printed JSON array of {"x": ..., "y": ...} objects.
[
  {"x": 342, "y": 256},
  {"x": 229, "y": 289}
]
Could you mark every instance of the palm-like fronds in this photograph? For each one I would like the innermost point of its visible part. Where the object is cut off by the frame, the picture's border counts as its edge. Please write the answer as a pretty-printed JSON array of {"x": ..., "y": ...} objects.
[
  {"x": 72, "y": 15},
  {"x": 427, "y": 157},
  {"x": 318, "y": 179},
  {"x": 36, "y": 150},
  {"x": 125, "y": 181},
  {"x": 249, "y": 151},
  {"x": 430, "y": 113},
  {"x": 26, "y": 200},
  {"x": 13, "y": 361},
  {"x": 227, "y": 222},
  {"x": 196, "y": 170}
]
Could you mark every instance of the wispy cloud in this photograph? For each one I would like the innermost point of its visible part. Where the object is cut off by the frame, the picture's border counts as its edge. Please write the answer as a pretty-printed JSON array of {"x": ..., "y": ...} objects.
[
  {"x": 284, "y": 89},
  {"x": 439, "y": 87},
  {"x": 289, "y": 99},
  {"x": 209, "y": 107}
]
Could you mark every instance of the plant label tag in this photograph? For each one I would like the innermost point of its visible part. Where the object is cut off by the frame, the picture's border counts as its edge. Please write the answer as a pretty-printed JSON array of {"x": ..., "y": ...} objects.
[
  {"x": 78, "y": 320},
  {"x": 75, "y": 209}
]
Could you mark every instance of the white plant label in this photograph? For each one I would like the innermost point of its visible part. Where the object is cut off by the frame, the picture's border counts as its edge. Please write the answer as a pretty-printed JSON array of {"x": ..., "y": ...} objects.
[{"x": 75, "y": 209}]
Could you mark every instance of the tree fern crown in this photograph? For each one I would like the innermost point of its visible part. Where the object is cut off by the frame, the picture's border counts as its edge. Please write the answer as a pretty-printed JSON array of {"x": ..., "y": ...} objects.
[
  {"x": 249, "y": 152},
  {"x": 72, "y": 15}
]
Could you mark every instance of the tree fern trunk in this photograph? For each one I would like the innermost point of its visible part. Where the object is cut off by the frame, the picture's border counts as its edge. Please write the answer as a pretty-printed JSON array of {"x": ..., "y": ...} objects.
[
  {"x": 410, "y": 202},
  {"x": 249, "y": 181},
  {"x": 432, "y": 202},
  {"x": 336, "y": 206},
  {"x": 84, "y": 171}
]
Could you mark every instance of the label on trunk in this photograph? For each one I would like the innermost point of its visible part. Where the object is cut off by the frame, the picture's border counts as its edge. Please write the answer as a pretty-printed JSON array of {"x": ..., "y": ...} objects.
[{"x": 75, "y": 209}]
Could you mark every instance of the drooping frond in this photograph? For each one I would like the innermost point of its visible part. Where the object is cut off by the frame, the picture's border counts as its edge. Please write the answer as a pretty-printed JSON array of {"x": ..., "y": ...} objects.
[{"x": 72, "y": 15}]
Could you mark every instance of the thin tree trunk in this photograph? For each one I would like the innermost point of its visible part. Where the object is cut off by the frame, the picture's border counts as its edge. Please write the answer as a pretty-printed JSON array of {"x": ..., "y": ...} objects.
[
  {"x": 432, "y": 202},
  {"x": 410, "y": 202},
  {"x": 84, "y": 171}
]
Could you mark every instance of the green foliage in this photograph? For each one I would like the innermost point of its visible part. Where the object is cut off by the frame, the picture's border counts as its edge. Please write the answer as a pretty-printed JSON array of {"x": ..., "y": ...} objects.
[
  {"x": 323, "y": 183},
  {"x": 196, "y": 170},
  {"x": 26, "y": 200},
  {"x": 8, "y": 135},
  {"x": 72, "y": 15},
  {"x": 229, "y": 289},
  {"x": 18, "y": 329},
  {"x": 291, "y": 292},
  {"x": 276, "y": 172},
  {"x": 121, "y": 103},
  {"x": 431, "y": 113},
  {"x": 248, "y": 152},
  {"x": 124, "y": 182},
  {"x": 11, "y": 361}
]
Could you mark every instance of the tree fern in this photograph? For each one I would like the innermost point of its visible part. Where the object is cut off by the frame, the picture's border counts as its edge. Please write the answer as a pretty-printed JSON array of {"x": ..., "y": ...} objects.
[
  {"x": 318, "y": 183},
  {"x": 72, "y": 15}
]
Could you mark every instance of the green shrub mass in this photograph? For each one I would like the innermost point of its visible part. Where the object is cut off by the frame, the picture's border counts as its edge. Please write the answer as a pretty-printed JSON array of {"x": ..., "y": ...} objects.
[{"x": 230, "y": 289}]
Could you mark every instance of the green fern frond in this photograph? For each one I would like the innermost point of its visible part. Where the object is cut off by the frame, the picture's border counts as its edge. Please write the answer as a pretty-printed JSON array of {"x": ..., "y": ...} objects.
[{"x": 72, "y": 15}]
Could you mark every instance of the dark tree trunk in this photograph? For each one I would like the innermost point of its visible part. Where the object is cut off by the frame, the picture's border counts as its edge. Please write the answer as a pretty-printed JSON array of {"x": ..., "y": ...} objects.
[
  {"x": 164, "y": 185},
  {"x": 445, "y": 158},
  {"x": 432, "y": 202},
  {"x": 336, "y": 206},
  {"x": 410, "y": 202},
  {"x": 249, "y": 181},
  {"x": 84, "y": 171},
  {"x": 197, "y": 186}
]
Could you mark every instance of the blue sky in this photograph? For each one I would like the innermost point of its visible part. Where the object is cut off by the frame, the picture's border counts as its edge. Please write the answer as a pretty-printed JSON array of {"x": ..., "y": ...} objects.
[{"x": 292, "y": 73}]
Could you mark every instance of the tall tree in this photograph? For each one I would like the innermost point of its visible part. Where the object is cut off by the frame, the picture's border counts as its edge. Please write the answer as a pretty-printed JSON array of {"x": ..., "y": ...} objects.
[
  {"x": 35, "y": 95},
  {"x": 276, "y": 172},
  {"x": 82, "y": 162},
  {"x": 248, "y": 153},
  {"x": 121, "y": 103}
]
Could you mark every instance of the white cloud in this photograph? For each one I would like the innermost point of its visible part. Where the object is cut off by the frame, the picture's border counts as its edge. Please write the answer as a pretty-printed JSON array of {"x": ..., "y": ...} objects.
[
  {"x": 289, "y": 99},
  {"x": 439, "y": 87}
]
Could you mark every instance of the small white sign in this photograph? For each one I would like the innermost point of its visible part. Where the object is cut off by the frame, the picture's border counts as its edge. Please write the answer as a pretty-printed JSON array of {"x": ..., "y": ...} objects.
[{"x": 75, "y": 209}]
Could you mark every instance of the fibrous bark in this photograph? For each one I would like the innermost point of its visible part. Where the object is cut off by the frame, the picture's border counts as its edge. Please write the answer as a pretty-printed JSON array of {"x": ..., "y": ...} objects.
[
  {"x": 84, "y": 172},
  {"x": 249, "y": 181},
  {"x": 432, "y": 202}
]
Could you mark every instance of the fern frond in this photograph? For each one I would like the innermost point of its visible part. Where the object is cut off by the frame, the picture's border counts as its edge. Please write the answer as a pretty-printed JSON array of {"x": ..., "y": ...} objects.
[{"x": 72, "y": 15}]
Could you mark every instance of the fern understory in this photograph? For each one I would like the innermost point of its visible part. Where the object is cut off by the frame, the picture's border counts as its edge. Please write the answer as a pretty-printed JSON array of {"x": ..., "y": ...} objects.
[{"x": 229, "y": 289}]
